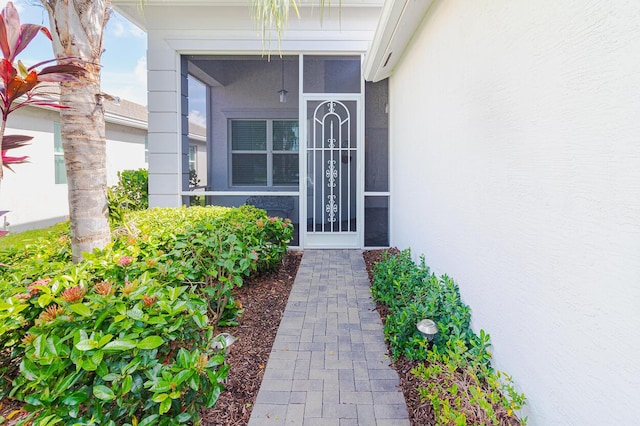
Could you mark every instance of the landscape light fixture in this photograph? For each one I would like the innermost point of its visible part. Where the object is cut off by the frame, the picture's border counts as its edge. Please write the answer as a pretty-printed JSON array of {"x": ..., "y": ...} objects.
[
  {"x": 428, "y": 328},
  {"x": 223, "y": 341}
]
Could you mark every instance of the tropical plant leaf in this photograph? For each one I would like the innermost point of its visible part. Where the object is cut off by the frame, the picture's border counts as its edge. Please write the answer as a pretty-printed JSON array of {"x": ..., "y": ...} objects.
[
  {"x": 15, "y": 141},
  {"x": 104, "y": 393},
  {"x": 119, "y": 345},
  {"x": 80, "y": 309},
  {"x": 86, "y": 345},
  {"x": 150, "y": 342}
]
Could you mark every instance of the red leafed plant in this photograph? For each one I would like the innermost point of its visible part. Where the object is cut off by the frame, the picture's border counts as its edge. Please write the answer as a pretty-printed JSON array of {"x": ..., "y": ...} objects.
[{"x": 20, "y": 86}]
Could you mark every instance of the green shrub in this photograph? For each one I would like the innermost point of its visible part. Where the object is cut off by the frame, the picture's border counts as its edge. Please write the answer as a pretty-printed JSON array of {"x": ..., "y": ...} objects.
[
  {"x": 457, "y": 375},
  {"x": 397, "y": 278},
  {"x": 463, "y": 391},
  {"x": 194, "y": 181},
  {"x": 412, "y": 294},
  {"x": 141, "y": 349},
  {"x": 131, "y": 193},
  {"x": 158, "y": 291}
]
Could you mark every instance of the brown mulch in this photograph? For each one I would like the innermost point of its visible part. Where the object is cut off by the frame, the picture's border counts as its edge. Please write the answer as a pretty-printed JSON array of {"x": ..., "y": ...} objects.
[
  {"x": 10, "y": 409},
  {"x": 263, "y": 298},
  {"x": 420, "y": 413}
]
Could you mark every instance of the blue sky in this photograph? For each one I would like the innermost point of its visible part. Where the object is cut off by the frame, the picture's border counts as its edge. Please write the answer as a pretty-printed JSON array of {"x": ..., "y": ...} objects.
[
  {"x": 124, "y": 66},
  {"x": 197, "y": 102}
]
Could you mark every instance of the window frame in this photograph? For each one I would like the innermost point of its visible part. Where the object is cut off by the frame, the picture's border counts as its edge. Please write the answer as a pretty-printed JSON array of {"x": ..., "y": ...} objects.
[
  {"x": 193, "y": 149},
  {"x": 269, "y": 152}
]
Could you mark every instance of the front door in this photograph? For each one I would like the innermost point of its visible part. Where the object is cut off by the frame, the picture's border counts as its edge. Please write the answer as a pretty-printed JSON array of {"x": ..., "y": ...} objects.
[{"x": 332, "y": 173}]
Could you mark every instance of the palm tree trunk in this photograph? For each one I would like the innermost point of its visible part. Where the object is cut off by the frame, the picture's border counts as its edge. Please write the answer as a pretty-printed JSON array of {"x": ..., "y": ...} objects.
[{"x": 77, "y": 28}]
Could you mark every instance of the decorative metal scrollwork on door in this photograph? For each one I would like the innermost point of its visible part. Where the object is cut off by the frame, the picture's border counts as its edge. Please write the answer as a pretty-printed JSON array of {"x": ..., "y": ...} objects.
[
  {"x": 332, "y": 194},
  {"x": 331, "y": 173}
]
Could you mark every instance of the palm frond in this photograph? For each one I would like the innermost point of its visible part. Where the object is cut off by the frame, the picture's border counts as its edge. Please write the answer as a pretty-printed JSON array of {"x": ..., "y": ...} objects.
[{"x": 273, "y": 14}]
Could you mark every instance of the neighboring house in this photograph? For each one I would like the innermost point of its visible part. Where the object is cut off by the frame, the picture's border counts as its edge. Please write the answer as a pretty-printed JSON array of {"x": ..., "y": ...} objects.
[
  {"x": 198, "y": 153},
  {"x": 43, "y": 179},
  {"x": 507, "y": 149}
]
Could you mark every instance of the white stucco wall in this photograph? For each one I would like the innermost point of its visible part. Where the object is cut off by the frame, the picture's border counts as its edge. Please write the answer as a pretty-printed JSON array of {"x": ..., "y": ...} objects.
[
  {"x": 31, "y": 194},
  {"x": 125, "y": 150},
  {"x": 516, "y": 170}
]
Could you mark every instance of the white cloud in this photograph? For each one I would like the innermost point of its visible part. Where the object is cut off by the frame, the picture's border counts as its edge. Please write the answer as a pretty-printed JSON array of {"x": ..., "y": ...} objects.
[
  {"x": 196, "y": 117},
  {"x": 18, "y": 4},
  {"x": 131, "y": 85},
  {"x": 121, "y": 28},
  {"x": 140, "y": 71},
  {"x": 118, "y": 29}
]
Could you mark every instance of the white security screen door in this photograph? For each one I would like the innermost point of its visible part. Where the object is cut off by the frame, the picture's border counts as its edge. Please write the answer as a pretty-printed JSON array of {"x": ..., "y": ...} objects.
[{"x": 332, "y": 168}]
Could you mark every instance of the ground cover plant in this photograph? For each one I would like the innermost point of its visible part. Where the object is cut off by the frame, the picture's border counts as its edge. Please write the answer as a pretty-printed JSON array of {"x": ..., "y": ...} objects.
[
  {"x": 125, "y": 337},
  {"x": 449, "y": 381},
  {"x": 19, "y": 241}
]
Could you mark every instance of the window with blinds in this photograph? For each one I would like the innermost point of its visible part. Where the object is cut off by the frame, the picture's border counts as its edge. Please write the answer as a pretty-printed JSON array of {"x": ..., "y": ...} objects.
[{"x": 264, "y": 153}]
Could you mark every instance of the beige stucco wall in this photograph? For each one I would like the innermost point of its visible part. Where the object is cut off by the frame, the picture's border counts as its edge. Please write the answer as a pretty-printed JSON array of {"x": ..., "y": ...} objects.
[{"x": 516, "y": 170}]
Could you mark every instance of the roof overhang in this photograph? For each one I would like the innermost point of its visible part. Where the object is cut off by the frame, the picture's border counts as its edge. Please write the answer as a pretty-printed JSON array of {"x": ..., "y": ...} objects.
[
  {"x": 133, "y": 10},
  {"x": 398, "y": 22}
]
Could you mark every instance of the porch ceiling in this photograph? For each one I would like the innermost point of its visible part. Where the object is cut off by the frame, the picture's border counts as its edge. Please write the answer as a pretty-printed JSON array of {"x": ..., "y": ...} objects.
[{"x": 210, "y": 69}]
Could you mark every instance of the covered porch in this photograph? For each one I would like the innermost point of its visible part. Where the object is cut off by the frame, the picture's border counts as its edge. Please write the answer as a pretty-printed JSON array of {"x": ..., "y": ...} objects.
[
  {"x": 290, "y": 126},
  {"x": 301, "y": 136}
]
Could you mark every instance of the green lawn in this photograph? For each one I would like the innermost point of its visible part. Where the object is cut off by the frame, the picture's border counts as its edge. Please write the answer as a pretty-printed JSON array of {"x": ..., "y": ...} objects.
[{"x": 21, "y": 239}]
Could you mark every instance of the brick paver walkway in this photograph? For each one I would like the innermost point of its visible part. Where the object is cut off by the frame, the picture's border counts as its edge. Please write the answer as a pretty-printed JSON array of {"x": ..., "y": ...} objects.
[{"x": 329, "y": 363}]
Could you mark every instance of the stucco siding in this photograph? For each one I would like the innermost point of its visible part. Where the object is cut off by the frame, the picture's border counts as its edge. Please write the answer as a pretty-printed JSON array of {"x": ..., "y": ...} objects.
[
  {"x": 516, "y": 170},
  {"x": 125, "y": 150}
]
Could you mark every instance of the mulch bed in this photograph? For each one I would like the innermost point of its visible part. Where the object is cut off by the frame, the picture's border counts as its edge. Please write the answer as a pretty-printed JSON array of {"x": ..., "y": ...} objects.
[{"x": 263, "y": 298}]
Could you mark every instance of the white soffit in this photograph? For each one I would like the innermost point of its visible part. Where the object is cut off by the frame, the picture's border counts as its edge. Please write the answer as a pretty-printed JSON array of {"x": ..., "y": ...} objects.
[
  {"x": 133, "y": 10},
  {"x": 398, "y": 22}
]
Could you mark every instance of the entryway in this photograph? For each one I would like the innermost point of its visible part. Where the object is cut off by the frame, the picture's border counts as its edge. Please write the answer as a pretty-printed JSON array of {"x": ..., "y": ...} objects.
[
  {"x": 301, "y": 136},
  {"x": 333, "y": 191}
]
